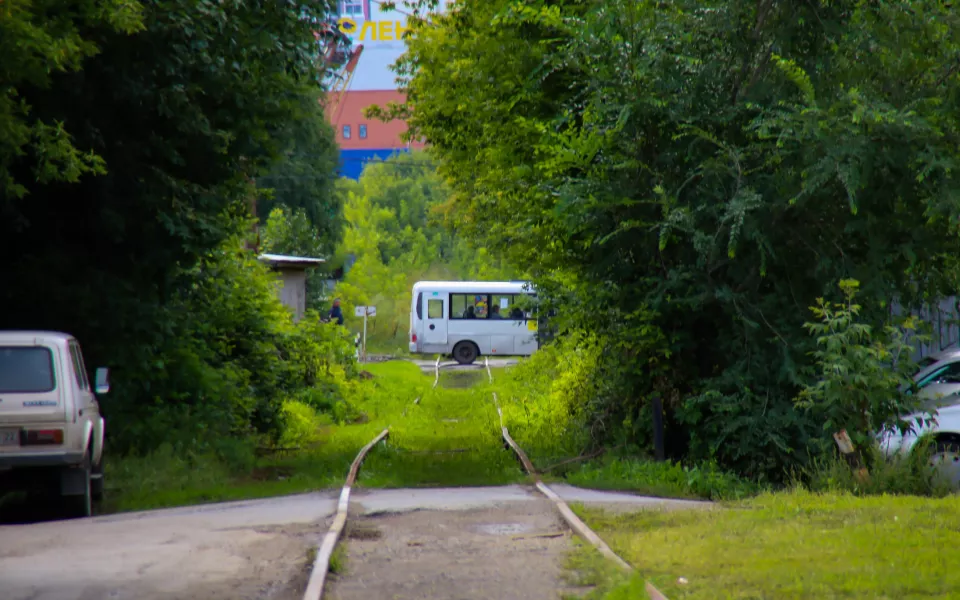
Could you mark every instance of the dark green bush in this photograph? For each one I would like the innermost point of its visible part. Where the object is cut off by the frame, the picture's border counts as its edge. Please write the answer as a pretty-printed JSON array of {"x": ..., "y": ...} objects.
[{"x": 231, "y": 356}]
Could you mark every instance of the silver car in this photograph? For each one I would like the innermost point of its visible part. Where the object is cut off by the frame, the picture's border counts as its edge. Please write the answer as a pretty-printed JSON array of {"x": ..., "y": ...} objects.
[{"x": 938, "y": 381}]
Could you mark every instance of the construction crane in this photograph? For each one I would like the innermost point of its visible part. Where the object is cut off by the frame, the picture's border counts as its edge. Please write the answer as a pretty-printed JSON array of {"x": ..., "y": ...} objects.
[
  {"x": 338, "y": 90},
  {"x": 339, "y": 63}
]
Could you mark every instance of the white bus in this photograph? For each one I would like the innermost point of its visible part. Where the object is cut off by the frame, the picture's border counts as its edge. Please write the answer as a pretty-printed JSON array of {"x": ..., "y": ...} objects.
[{"x": 467, "y": 319}]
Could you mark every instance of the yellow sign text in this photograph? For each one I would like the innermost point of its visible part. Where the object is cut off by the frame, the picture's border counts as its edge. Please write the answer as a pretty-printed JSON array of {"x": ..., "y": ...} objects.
[{"x": 376, "y": 30}]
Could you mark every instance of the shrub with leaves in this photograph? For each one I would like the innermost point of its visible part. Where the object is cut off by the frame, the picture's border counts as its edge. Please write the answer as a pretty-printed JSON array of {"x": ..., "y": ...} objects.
[
  {"x": 232, "y": 356},
  {"x": 719, "y": 165},
  {"x": 863, "y": 379}
]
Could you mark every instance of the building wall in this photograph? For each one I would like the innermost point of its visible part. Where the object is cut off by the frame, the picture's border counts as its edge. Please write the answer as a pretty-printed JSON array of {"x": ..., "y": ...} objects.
[
  {"x": 361, "y": 139},
  {"x": 293, "y": 290},
  {"x": 373, "y": 83},
  {"x": 379, "y": 52},
  {"x": 356, "y": 132},
  {"x": 353, "y": 162}
]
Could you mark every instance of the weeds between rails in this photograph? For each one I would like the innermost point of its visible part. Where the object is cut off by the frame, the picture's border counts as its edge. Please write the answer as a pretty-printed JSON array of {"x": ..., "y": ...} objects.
[{"x": 322, "y": 563}]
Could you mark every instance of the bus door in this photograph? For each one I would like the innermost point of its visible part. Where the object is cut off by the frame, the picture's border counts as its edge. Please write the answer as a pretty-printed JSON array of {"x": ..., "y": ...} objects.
[{"x": 436, "y": 319}]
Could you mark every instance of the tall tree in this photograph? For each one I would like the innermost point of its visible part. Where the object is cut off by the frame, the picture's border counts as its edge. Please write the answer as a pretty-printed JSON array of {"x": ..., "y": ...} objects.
[
  {"x": 696, "y": 173},
  {"x": 304, "y": 177},
  {"x": 182, "y": 114},
  {"x": 40, "y": 39}
]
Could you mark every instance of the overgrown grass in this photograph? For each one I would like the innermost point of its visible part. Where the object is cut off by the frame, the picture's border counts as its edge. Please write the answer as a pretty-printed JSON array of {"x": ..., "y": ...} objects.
[
  {"x": 447, "y": 436},
  {"x": 788, "y": 545},
  {"x": 910, "y": 474},
  {"x": 450, "y": 436},
  {"x": 338, "y": 559},
  {"x": 544, "y": 405},
  {"x": 663, "y": 479}
]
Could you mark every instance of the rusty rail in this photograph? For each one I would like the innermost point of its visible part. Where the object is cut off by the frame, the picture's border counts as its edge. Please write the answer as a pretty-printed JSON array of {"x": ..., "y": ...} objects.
[
  {"x": 321, "y": 565},
  {"x": 575, "y": 523}
]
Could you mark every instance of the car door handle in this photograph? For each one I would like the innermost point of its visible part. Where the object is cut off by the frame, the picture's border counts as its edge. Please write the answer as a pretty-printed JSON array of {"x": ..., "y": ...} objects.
[{"x": 432, "y": 326}]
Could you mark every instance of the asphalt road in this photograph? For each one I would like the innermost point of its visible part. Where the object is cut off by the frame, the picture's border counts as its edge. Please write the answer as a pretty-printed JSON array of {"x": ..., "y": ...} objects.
[{"x": 254, "y": 549}]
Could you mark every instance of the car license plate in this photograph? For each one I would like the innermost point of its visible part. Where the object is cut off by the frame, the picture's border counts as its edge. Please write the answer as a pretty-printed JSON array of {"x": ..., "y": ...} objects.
[{"x": 9, "y": 437}]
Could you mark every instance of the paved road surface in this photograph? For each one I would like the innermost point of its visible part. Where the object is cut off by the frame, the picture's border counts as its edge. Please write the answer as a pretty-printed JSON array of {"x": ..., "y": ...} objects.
[
  {"x": 237, "y": 550},
  {"x": 451, "y": 365}
]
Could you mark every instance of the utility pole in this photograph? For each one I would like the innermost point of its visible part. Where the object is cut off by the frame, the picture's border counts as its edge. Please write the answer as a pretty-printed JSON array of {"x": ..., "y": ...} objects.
[{"x": 658, "y": 428}]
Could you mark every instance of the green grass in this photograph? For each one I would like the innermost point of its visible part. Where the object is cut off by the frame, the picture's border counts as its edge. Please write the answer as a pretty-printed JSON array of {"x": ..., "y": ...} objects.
[
  {"x": 663, "y": 479},
  {"x": 450, "y": 437},
  {"x": 338, "y": 560},
  {"x": 787, "y": 545}
]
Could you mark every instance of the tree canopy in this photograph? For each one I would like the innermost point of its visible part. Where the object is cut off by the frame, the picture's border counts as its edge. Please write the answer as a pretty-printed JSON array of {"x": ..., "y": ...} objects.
[
  {"x": 131, "y": 136},
  {"x": 395, "y": 232},
  {"x": 690, "y": 176}
]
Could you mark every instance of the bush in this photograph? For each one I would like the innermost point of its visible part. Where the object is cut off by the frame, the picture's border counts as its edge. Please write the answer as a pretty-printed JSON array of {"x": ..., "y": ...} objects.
[
  {"x": 545, "y": 398},
  {"x": 757, "y": 434},
  {"x": 231, "y": 356},
  {"x": 300, "y": 425},
  {"x": 862, "y": 379},
  {"x": 910, "y": 474}
]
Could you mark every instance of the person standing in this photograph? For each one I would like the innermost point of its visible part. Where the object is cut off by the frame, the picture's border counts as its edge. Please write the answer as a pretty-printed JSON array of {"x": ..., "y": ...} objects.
[{"x": 336, "y": 312}]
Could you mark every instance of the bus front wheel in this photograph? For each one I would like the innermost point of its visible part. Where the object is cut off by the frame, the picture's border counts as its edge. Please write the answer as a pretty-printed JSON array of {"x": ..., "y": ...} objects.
[{"x": 465, "y": 353}]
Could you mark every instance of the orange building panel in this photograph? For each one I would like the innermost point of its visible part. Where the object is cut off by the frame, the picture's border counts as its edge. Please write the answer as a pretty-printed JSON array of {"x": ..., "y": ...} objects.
[{"x": 356, "y": 132}]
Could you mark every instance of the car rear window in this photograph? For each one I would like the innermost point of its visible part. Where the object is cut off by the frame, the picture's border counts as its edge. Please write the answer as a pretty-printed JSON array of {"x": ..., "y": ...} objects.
[{"x": 26, "y": 370}]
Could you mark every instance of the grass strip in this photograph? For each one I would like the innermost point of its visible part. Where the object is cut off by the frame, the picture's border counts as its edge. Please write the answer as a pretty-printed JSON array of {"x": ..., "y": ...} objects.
[
  {"x": 786, "y": 545},
  {"x": 449, "y": 438}
]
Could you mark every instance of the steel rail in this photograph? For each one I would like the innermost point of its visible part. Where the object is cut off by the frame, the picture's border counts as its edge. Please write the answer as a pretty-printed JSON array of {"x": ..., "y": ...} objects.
[
  {"x": 575, "y": 523},
  {"x": 321, "y": 565}
]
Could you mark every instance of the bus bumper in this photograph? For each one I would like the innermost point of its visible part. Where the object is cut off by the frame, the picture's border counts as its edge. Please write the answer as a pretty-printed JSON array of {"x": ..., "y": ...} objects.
[{"x": 413, "y": 347}]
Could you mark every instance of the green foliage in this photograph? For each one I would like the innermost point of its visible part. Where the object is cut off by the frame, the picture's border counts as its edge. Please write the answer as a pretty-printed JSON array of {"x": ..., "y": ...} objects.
[
  {"x": 683, "y": 179},
  {"x": 38, "y": 40},
  {"x": 233, "y": 357},
  {"x": 668, "y": 479},
  {"x": 752, "y": 433},
  {"x": 863, "y": 384},
  {"x": 545, "y": 398},
  {"x": 907, "y": 474},
  {"x": 303, "y": 180},
  {"x": 301, "y": 425},
  {"x": 290, "y": 232},
  {"x": 130, "y": 136},
  {"x": 395, "y": 231}
]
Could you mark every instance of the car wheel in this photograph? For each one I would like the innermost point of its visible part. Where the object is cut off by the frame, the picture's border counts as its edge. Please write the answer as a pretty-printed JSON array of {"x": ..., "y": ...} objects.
[
  {"x": 81, "y": 505},
  {"x": 96, "y": 481},
  {"x": 465, "y": 353},
  {"x": 946, "y": 459}
]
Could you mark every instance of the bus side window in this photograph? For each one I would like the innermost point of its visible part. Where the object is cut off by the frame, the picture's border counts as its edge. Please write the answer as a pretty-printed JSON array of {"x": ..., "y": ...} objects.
[
  {"x": 458, "y": 306},
  {"x": 434, "y": 308},
  {"x": 420, "y": 306}
]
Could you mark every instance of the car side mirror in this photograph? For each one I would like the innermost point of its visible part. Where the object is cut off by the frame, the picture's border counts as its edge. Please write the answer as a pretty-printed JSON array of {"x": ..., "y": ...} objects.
[{"x": 102, "y": 385}]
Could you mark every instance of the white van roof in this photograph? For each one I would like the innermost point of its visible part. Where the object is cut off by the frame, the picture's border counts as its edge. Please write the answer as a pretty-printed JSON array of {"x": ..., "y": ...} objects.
[
  {"x": 20, "y": 335},
  {"x": 474, "y": 286}
]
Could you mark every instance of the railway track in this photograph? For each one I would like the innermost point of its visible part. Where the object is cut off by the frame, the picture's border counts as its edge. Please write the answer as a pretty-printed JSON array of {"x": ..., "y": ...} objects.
[{"x": 321, "y": 565}]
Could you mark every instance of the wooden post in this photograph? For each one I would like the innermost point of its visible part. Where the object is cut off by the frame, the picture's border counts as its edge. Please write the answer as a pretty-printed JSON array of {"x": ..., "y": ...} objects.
[
  {"x": 658, "y": 428},
  {"x": 849, "y": 453}
]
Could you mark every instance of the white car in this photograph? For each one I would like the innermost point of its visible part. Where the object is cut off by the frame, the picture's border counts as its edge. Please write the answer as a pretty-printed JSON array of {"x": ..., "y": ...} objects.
[
  {"x": 938, "y": 381},
  {"x": 51, "y": 430}
]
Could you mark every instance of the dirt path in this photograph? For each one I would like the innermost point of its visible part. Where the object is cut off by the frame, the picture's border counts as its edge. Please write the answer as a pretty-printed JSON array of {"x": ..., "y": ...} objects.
[
  {"x": 238, "y": 551},
  {"x": 513, "y": 550}
]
